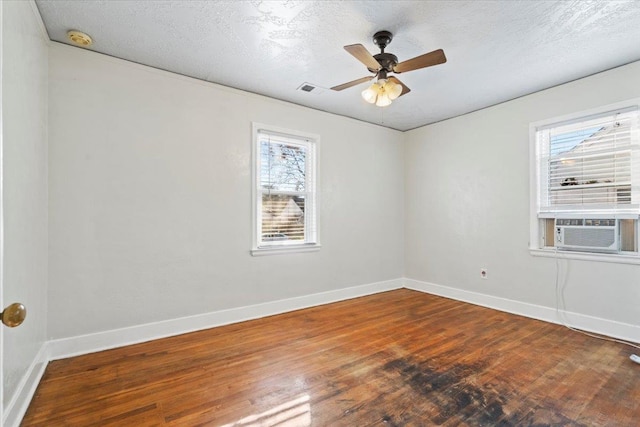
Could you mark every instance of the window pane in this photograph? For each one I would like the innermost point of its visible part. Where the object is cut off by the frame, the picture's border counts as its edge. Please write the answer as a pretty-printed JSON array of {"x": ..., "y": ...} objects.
[
  {"x": 282, "y": 218},
  {"x": 284, "y": 190},
  {"x": 589, "y": 163},
  {"x": 565, "y": 142},
  {"x": 282, "y": 166}
]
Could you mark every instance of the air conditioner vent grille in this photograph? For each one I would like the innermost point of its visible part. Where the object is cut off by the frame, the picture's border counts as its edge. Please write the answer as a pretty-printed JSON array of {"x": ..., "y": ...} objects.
[
  {"x": 592, "y": 237},
  {"x": 587, "y": 234}
]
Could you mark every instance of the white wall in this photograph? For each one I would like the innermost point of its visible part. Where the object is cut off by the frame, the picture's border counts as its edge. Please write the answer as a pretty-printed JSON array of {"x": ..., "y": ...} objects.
[
  {"x": 24, "y": 174},
  {"x": 150, "y": 198},
  {"x": 467, "y": 205}
]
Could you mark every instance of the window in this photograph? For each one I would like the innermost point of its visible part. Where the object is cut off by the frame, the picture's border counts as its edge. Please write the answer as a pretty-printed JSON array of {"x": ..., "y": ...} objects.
[
  {"x": 587, "y": 181},
  {"x": 285, "y": 205}
]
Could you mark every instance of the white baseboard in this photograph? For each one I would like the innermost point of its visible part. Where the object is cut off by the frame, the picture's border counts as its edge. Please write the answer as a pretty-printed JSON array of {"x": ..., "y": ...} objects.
[
  {"x": 84, "y": 344},
  {"x": 584, "y": 322},
  {"x": 19, "y": 403}
]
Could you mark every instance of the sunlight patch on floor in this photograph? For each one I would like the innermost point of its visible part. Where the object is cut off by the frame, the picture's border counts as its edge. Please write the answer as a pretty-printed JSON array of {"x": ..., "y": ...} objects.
[{"x": 294, "y": 413}]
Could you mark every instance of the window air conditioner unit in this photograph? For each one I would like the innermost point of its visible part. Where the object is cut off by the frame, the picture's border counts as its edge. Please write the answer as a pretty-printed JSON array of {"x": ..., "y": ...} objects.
[{"x": 587, "y": 234}]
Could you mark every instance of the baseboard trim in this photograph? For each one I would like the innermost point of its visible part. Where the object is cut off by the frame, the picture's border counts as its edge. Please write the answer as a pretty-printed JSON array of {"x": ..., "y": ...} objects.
[
  {"x": 19, "y": 403},
  {"x": 610, "y": 328},
  {"x": 91, "y": 343}
]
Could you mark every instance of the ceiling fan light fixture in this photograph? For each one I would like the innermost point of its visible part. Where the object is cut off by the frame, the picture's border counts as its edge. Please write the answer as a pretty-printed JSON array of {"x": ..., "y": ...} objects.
[{"x": 382, "y": 92}]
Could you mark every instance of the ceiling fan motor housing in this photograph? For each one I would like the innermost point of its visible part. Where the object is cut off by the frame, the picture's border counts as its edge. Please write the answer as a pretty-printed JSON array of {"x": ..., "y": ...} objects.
[{"x": 386, "y": 60}]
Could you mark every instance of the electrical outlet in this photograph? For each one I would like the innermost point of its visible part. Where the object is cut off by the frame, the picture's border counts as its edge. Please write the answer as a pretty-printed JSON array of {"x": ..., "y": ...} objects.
[{"x": 484, "y": 273}]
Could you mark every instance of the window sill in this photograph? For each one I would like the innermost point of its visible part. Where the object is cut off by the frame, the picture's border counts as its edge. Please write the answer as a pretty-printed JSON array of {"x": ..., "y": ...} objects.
[
  {"x": 586, "y": 256},
  {"x": 278, "y": 250}
]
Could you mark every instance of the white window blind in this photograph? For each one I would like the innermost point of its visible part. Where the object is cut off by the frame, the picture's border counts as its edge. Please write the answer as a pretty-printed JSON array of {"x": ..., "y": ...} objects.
[
  {"x": 286, "y": 190},
  {"x": 590, "y": 165}
]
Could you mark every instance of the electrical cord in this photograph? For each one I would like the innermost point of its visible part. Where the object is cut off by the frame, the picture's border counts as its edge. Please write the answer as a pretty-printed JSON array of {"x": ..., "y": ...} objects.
[{"x": 560, "y": 297}]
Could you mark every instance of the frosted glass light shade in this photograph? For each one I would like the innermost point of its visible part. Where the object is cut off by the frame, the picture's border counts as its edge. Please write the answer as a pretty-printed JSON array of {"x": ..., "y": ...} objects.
[
  {"x": 370, "y": 94},
  {"x": 383, "y": 100},
  {"x": 393, "y": 90}
]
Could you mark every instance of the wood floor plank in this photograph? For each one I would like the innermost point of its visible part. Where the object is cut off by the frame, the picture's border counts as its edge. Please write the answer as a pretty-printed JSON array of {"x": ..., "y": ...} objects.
[{"x": 399, "y": 358}]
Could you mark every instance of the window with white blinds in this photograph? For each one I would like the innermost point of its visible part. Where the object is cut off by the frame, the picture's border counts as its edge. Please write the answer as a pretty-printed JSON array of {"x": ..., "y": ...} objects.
[
  {"x": 590, "y": 165},
  {"x": 285, "y": 189}
]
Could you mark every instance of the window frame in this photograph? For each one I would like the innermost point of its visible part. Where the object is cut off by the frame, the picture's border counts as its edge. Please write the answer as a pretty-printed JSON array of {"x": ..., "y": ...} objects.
[
  {"x": 537, "y": 228},
  {"x": 311, "y": 204}
]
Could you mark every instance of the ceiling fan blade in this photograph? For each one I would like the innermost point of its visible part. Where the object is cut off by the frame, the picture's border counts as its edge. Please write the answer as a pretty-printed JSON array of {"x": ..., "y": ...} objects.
[
  {"x": 405, "y": 89},
  {"x": 353, "y": 83},
  {"x": 427, "y": 60},
  {"x": 362, "y": 54}
]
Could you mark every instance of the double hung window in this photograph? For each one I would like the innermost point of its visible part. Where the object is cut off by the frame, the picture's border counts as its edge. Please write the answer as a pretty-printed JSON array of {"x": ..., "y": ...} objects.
[{"x": 285, "y": 206}]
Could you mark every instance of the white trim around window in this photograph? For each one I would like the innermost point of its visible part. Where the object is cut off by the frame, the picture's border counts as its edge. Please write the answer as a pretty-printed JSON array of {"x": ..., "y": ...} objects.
[{"x": 284, "y": 191}]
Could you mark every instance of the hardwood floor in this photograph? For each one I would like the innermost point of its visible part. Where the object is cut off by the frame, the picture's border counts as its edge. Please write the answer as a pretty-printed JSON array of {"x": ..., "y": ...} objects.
[{"x": 400, "y": 358}]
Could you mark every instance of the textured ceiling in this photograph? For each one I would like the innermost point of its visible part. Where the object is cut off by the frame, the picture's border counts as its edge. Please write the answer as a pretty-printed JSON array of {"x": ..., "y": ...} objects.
[{"x": 496, "y": 50}]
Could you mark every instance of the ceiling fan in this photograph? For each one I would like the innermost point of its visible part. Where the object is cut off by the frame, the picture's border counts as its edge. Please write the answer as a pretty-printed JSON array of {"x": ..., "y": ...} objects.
[{"x": 387, "y": 88}]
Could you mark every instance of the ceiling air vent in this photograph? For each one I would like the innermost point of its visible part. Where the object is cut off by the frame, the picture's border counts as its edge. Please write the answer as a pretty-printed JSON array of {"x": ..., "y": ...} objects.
[{"x": 311, "y": 88}]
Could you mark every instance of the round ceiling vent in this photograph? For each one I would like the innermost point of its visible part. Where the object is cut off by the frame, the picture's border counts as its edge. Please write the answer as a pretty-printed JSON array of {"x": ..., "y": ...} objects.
[{"x": 79, "y": 38}]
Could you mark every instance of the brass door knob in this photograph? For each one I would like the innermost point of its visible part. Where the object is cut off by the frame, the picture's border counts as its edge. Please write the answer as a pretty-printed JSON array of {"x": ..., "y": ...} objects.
[{"x": 13, "y": 315}]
